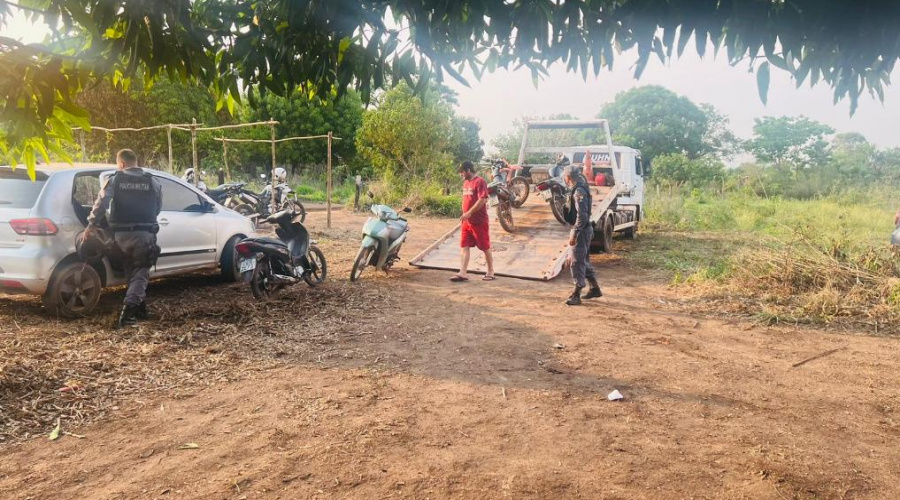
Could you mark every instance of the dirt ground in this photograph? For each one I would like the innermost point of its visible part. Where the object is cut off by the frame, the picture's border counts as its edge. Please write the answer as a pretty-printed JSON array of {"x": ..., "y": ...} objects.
[{"x": 421, "y": 388}]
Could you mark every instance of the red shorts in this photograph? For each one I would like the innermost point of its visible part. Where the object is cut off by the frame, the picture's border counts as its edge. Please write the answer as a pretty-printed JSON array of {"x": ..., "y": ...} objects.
[{"x": 475, "y": 235}]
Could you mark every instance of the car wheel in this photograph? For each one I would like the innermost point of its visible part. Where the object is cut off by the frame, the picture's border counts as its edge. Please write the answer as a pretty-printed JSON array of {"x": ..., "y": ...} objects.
[
  {"x": 74, "y": 290},
  {"x": 229, "y": 262}
]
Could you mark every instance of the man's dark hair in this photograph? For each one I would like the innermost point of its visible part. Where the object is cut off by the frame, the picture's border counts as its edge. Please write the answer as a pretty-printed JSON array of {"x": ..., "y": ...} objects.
[
  {"x": 466, "y": 166},
  {"x": 128, "y": 157}
]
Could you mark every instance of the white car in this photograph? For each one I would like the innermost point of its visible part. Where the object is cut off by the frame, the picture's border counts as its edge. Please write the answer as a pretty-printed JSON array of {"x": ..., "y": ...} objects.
[{"x": 40, "y": 219}]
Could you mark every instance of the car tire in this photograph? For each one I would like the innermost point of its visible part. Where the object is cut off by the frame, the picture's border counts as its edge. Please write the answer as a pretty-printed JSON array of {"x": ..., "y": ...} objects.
[
  {"x": 229, "y": 262},
  {"x": 74, "y": 291}
]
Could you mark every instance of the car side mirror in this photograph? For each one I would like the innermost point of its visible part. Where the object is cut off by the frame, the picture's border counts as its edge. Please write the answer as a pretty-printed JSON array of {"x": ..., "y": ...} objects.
[{"x": 209, "y": 207}]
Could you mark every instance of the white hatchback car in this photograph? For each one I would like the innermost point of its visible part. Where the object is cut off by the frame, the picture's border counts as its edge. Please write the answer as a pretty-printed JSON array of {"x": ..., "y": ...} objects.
[{"x": 40, "y": 219}]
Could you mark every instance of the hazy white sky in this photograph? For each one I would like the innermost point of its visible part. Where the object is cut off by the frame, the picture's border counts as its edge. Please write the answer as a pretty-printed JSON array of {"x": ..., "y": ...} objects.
[{"x": 503, "y": 96}]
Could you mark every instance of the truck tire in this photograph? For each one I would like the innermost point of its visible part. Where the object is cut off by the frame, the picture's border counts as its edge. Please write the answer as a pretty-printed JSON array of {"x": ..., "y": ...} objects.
[
  {"x": 603, "y": 236},
  {"x": 631, "y": 232}
]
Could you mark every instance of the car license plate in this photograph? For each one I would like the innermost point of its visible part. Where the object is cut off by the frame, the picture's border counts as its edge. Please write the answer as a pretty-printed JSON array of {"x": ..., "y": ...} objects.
[
  {"x": 493, "y": 202},
  {"x": 248, "y": 265},
  {"x": 547, "y": 195}
]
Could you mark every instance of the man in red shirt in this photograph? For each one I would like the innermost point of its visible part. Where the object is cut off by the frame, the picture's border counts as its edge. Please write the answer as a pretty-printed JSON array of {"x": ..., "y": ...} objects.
[{"x": 474, "y": 222}]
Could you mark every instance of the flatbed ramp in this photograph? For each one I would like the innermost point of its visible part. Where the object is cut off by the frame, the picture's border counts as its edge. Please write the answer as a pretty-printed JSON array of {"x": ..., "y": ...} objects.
[{"x": 536, "y": 251}]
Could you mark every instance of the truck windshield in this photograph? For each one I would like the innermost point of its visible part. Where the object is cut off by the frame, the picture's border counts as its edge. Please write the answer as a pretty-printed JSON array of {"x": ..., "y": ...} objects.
[{"x": 17, "y": 190}]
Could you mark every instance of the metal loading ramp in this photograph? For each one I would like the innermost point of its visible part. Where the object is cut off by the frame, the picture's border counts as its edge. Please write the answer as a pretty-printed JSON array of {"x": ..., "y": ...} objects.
[{"x": 536, "y": 251}]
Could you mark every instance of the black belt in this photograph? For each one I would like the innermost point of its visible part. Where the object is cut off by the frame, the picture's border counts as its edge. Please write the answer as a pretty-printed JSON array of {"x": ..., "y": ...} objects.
[{"x": 128, "y": 228}]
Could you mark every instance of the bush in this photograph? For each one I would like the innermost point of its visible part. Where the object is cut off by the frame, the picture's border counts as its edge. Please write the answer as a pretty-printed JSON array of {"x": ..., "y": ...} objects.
[{"x": 423, "y": 198}]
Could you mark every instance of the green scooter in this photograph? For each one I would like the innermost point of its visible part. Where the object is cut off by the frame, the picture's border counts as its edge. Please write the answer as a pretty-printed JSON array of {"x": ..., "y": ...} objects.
[{"x": 382, "y": 237}]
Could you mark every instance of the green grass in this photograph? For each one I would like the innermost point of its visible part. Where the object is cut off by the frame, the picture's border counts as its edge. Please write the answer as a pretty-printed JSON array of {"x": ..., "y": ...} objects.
[{"x": 814, "y": 261}]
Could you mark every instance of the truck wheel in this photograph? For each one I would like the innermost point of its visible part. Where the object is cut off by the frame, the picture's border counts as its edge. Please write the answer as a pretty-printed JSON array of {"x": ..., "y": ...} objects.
[
  {"x": 631, "y": 232},
  {"x": 605, "y": 238},
  {"x": 74, "y": 291}
]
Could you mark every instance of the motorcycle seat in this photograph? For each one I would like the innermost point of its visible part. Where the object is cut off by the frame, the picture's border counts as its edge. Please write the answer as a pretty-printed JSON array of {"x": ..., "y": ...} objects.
[{"x": 216, "y": 191}]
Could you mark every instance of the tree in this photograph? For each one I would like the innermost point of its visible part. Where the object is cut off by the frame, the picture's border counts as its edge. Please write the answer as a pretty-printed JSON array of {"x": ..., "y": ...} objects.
[
  {"x": 467, "y": 140},
  {"x": 789, "y": 142},
  {"x": 678, "y": 168},
  {"x": 323, "y": 46},
  {"x": 719, "y": 140},
  {"x": 657, "y": 121},
  {"x": 408, "y": 138},
  {"x": 300, "y": 116},
  {"x": 165, "y": 102}
]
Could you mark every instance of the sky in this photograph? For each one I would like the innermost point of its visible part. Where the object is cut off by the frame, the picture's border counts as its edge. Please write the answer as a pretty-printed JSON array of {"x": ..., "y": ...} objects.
[
  {"x": 503, "y": 96},
  {"x": 500, "y": 98}
]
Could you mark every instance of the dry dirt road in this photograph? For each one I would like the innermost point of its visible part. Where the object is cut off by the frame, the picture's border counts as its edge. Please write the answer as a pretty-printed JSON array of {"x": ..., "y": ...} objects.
[{"x": 446, "y": 390}]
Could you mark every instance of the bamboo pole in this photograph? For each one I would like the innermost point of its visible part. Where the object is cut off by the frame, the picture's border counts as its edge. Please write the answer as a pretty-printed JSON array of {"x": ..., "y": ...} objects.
[
  {"x": 83, "y": 149},
  {"x": 169, "y": 138},
  {"x": 225, "y": 157},
  {"x": 328, "y": 187},
  {"x": 194, "y": 148},
  {"x": 272, "y": 127}
]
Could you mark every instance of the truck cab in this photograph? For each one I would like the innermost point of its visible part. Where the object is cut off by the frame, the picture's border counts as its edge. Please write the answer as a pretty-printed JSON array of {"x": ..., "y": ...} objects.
[{"x": 620, "y": 170}]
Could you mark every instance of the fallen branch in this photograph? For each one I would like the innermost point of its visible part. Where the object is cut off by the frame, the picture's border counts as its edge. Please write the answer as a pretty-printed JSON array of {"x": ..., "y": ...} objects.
[{"x": 817, "y": 356}]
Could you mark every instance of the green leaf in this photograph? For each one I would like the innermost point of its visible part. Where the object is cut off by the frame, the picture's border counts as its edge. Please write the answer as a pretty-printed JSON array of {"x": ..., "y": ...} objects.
[
  {"x": 762, "y": 82},
  {"x": 54, "y": 434}
]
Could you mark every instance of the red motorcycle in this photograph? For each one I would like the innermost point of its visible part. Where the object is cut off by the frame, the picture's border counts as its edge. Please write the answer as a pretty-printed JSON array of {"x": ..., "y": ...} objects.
[{"x": 506, "y": 192}]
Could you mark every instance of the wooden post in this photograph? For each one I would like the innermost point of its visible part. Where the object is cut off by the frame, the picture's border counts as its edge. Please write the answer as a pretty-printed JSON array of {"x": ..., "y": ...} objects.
[
  {"x": 169, "y": 137},
  {"x": 225, "y": 157},
  {"x": 83, "y": 150},
  {"x": 194, "y": 148},
  {"x": 328, "y": 186},
  {"x": 272, "y": 126}
]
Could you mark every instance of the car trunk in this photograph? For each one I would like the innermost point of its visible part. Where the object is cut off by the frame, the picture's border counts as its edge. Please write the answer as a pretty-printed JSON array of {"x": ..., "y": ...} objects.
[{"x": 18, "y": 195}]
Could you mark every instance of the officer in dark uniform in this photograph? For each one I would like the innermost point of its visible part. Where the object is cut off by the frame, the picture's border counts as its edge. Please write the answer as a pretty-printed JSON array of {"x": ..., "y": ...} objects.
[
  {"x": 134, "y": 199},
  {"x": 578, "y": 214}
]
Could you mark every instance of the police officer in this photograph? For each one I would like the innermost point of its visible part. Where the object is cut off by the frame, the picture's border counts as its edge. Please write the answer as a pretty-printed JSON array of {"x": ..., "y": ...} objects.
[
  {"x": 134, "y": 199},
  {"x": 578, "y": 214}
]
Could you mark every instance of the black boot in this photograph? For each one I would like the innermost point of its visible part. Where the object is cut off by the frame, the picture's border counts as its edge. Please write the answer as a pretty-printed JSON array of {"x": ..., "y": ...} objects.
[
  {"x": 127, "y": 318},
  {"x": 575, "y": 298},
  {"x": 594, "y": 291},
  {"x": 141, "y": 312}
]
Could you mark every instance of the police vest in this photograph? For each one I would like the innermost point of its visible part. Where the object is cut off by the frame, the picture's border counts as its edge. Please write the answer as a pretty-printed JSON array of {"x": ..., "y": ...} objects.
[
  {"x": 134, "y": 199},
  {"x": 570, "y": 211}
]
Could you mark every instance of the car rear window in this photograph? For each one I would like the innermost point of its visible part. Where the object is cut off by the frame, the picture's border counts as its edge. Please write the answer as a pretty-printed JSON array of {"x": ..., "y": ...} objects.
[{"x": 17, "y": 190}]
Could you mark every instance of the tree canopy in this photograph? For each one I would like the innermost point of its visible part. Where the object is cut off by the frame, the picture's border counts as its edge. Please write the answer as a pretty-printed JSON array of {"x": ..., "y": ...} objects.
[
  {"x": 790, "y": 142},
  {"x": 325, "y": 46},
  {"x": 657, "y": 121}
]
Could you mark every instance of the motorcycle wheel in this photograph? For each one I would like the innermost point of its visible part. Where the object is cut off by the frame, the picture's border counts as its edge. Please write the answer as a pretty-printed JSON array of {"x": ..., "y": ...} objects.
[
  {"x": 521, "y": 189},
  {"x": 244, "y": 209},
  {"x": 504, "y": 215},
  {"x": 297, "y": 207},
  {"x": 260, "y": 284},
  {"x": 362, "y": 259},
  {"x": 557, "y": 203},
  {"x": 318, "y": 268}
]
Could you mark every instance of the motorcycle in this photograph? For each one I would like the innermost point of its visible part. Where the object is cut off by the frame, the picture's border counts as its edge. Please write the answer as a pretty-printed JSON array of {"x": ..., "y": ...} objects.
[
  {"x": 505, "y": 196},
  {"x": 521, "y": 186},
  {"x": 270, "y": 264},
  {"x": 224, "y": 195},
  {"x": 554, "y": 189},
  {"x": 382, "y": 237},
  {"x": 258, "y": 204}
]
